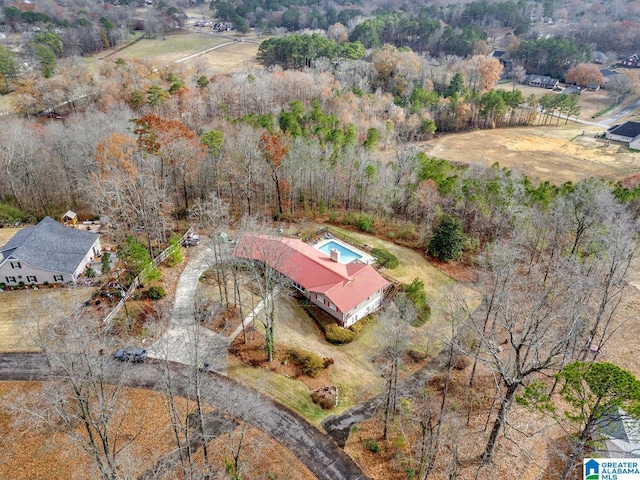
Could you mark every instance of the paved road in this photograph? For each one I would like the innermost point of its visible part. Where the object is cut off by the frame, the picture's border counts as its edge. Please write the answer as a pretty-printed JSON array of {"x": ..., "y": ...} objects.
[
  {"x": 315, "y": 450},
  {"x": 628, "y": 110}
]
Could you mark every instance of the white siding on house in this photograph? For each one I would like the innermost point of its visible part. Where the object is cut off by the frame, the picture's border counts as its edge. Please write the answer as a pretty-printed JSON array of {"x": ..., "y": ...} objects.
[
  {"x": 635, "y": 143},
  {"x": 363, "y": 309},
  {"x": 356, "y": 313},
  {"x": 27, "y": 272},
  {"x": 20, "y": 271},
  {"x": 618, "y": 138},
  {"x": 86, "y": 261}
]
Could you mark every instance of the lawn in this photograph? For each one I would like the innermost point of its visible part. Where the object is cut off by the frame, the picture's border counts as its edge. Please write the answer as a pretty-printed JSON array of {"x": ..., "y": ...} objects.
[
  {"x": 354, "y": 370},
  {"x": 173, "y": 48},
  {"x": 23, "y": 309},
  {"x": 6, "y": 233}
]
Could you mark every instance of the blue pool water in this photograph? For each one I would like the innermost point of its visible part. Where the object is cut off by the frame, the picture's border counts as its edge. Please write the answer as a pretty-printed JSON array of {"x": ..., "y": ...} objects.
[{"x": 346, "y": 255}]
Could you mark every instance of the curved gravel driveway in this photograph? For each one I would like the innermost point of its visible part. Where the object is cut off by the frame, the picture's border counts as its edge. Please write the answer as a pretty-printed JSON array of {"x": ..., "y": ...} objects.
[{"x": 184, "y": 341}]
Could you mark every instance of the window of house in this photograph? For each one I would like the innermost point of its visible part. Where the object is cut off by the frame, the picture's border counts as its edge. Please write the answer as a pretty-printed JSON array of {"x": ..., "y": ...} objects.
[
  {"x": 58, "y": 278},
  {"x": 31, "y": 279},
  {"x": 16, "y": 265},
  {"x": 10, "y": 279},
  {"x": 332, "y": 306}
]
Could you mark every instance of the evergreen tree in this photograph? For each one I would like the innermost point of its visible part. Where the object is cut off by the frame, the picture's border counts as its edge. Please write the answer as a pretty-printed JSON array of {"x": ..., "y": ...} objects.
[{"x": 447, "y": 240}]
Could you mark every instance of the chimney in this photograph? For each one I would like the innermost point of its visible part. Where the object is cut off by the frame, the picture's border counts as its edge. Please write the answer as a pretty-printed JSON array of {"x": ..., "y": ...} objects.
[{"x": 334, "y": 254}]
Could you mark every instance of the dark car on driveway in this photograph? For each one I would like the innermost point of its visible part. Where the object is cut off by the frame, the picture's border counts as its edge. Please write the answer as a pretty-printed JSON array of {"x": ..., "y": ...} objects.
[{"x": 131, "y": 354}]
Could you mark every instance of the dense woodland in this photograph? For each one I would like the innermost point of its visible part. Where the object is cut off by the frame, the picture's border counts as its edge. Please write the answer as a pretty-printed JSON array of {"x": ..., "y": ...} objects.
[{"x": 543, "y": 37}]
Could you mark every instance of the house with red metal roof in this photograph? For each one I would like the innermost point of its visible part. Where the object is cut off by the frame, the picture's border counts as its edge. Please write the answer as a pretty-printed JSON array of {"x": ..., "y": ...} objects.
[{"x": 348, "y": 292}]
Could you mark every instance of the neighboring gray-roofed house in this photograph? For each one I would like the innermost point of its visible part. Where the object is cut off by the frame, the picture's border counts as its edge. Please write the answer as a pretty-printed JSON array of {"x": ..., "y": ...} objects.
[
  {"x": 620, "y": 436},
  {"x": 541, "y": 81},
  {"x": 607, "y": 74},
  {"x": 47, "y": 252},
  {"x": 628, "y": 132},
  {"x": 598, "y": 57}
]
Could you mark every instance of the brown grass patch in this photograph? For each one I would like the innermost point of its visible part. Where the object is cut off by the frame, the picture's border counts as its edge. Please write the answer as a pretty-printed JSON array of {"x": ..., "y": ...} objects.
[
  {"x": 49, "y": 455},
  {"x": 7, "y": 233},
  {"x": 557, "y": 154},
  {"x": 23, "y": 310},
  {"x": 254, "y": 353}
]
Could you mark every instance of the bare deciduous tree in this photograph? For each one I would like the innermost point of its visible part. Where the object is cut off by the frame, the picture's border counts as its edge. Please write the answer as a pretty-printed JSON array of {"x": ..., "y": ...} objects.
[{"x": 270, "y": 258}]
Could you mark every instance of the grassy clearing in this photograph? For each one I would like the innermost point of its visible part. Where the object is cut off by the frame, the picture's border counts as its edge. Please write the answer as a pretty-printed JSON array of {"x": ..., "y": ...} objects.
[
  {"x": 228, "y": 55},
  {"x": 23, "y": 308},
  {"x": 353, "y": 371},
  {"x": 548, "y": 153},
  {"x": 173, "y": 48},
  {"x": 290, "y": 393},
  {"x": 234, "y": 57},
  {"x": 414, "y": 265}
]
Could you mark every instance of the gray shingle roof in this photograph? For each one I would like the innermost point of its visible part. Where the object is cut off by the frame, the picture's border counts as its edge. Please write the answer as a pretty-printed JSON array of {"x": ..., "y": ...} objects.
[
  {"x": 50, "y": 246},
  {"x": 627, "y": 129}
]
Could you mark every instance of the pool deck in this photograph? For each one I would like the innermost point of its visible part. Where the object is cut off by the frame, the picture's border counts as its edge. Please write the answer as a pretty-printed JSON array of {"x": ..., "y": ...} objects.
[{"x": 364, "y": 256}]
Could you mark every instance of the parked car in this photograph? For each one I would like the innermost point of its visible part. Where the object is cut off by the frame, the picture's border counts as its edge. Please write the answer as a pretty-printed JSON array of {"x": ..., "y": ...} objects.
[
  {"x": 131, "y": 354},
  {"x": 191, "y": 240}
]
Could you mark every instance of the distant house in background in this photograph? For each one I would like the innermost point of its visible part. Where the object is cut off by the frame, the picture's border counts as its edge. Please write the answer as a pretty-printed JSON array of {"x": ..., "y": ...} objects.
[
  {"x": 598, "y": 57},
  {"x": 632, "y": 61},
  {"x": 628, "y": 132},
  {"x": 540, "y": 81},
  {"x": 348, "y": 292},
  {"x": 572, "y": 90},
  {"x": 47, "y": 252},
  {"x": 501, "y": 56},
  {"x": 70, "y": 218}
]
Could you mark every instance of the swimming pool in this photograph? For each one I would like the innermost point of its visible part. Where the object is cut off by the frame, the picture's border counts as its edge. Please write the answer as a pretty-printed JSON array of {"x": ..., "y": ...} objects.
[{"x": 346, "y": 255}]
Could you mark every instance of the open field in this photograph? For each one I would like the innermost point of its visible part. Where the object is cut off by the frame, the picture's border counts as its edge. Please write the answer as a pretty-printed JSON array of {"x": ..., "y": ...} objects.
[
  {"x": 557, "y": 154},
  {"x": 22, "y": 309},
  {"x": 221, "y": 53},
  {"x": 173, "y": 48}
]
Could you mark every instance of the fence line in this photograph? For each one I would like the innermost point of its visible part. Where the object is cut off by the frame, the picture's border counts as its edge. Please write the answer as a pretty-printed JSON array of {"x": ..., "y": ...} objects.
[
  {"x": 395, "y": 284},
  {"x": 136, "y": 281}
]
